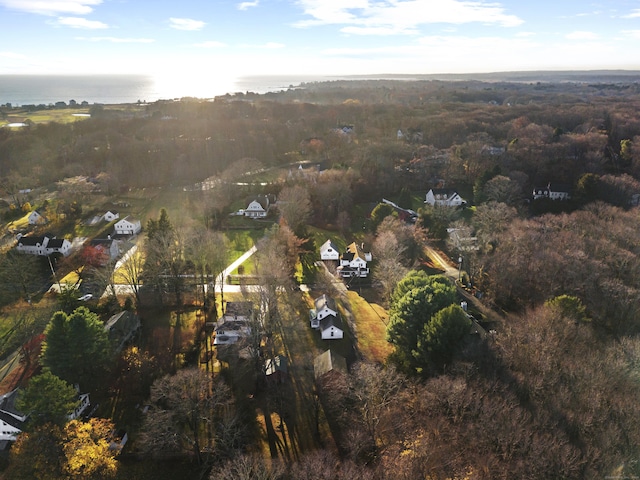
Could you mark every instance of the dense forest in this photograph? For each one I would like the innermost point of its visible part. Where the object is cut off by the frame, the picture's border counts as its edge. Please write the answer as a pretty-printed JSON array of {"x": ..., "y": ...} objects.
[{"x": 551, "y": 391}]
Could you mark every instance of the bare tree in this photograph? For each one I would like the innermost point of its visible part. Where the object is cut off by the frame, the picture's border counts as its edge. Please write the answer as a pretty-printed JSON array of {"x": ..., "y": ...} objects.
[
  {"x": 295, "y": 207},
  {"x": 187, "y": 407},
  {"x": 389, "y": 257}
]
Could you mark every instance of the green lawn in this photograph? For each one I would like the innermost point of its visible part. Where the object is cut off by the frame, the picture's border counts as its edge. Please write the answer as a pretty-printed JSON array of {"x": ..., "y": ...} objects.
[
  {"x": 66, "y": 115},
  {"x": 371, "y": 323}
]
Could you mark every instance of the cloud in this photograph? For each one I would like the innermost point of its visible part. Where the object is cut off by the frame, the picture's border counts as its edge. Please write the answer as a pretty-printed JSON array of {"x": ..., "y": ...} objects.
[
  {"x": 265, "y": 46},
  {"x": 52, "y": 7},
  {"x": 186, "y": 24},
  {"x": 247, "y": 5},
  {"x": 79, "y": 22},
  {"x": 635, "y": 34},
  {"x": 12, "y": 55},
  {"x": 634, "y": 14},
  {"x": 210, "y": 44},
  {"x": 387, "y": 17},
  {"x": 116, "y": 39},
  {"x": 581, "y": 35}
]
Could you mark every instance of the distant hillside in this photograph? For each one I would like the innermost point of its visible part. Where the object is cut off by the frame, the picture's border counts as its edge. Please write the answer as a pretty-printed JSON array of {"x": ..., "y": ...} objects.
[{"x": 583, "y": 76}]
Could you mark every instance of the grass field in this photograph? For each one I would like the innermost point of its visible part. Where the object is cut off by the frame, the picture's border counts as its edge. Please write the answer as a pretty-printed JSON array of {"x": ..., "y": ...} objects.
[
  {"x": 371, "y": 324},
  {"x": 62, "y": 115}
]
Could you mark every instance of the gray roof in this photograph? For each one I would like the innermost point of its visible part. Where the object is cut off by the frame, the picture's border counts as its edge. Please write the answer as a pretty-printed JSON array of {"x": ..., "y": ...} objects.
[
  {"x": 325, "y": 301},
  {"x": 327, "y": 362},
  {"x": 331, "y": 321}
]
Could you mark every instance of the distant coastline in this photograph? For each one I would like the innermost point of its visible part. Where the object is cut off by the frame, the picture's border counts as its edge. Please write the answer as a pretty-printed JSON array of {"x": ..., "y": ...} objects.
[{"x": 19, "y": 90}]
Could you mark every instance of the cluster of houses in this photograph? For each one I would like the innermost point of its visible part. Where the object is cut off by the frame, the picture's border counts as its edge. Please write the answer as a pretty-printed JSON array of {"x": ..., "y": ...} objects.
[
  {"x": 48, "y": 244},
  {"x": 351, "y": 263},
  {"x": 447, "y": 197}
]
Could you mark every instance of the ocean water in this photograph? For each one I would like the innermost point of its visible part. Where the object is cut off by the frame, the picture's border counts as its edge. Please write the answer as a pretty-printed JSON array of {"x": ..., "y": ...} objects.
[{"x": 110, "y": 89}]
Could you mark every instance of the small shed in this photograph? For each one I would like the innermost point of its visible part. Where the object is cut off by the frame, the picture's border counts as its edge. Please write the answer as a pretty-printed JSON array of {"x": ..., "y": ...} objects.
[{"x": 329, "y": 363}]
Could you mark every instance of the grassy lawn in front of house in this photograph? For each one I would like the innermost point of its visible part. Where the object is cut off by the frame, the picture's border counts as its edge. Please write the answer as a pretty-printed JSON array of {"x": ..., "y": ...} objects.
[
  {"x": 19, "y": 224},
  {"x": 371, "y": 325}
]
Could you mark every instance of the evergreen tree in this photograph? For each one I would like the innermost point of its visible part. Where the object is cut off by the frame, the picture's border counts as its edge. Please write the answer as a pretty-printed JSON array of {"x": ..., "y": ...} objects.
[
  {"x": 76, "y": 347},
  {"x": 47, "y": 399}
]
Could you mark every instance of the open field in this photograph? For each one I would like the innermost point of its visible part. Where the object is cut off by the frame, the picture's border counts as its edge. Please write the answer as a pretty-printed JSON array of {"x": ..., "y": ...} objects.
[
  {"x": 62, "y": 115},
  {"x": 371, "y": 324}
]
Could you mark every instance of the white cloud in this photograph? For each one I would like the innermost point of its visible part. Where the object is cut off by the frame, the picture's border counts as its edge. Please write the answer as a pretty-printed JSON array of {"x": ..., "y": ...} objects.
[
  {"x": 186, "y": 24},
  {"x": 581, "y": 35},
  {"x": 401, "y": 16},
  {"x": 525, "y": 34},
  {"x": 635, "y": 34},
  {"x": 210, "y": 44},
  {"x": 52, "y": 7},
  {"x": 272, "y": 45},
  {"x": 12, "y": 55},
  {"x": 634, "y": 14},
  {"x": 247, "y": 5},
  {"x": 79, "y": 22},
  {"x": 116, "y": 39}
]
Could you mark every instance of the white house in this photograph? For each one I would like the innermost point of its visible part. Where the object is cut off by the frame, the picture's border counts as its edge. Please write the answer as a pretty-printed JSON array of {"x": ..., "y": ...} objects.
[
  {"x": 553, "y": 191},
  {"x": 43, "y": 246},
  {"x": 128, "y": 226},
  {"x": 83, "y": 404},
  {"x": 329, "y": 251},
  {"x": 444, "y": 197},
  {"x": 110, "y": 216},
  {"x": 11, "y": 420},
  {"x": 331, "y": 328},
  {"x": 237, "y": 311},
  {"x": 324, "y": 306},
  {"x": 258, "y": 208},
  {"x": 235, "y": 323},
  {"x": 36, "y": 218},
  {"x": 353, "y": 263}
]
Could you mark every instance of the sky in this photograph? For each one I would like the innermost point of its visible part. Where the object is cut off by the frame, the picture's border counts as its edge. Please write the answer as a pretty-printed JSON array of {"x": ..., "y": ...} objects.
[{"x": 218, "y": 38}]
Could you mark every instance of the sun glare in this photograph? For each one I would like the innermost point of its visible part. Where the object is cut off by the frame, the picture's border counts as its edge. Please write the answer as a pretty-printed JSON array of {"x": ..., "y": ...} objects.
[{"x": 179, "y": 83}]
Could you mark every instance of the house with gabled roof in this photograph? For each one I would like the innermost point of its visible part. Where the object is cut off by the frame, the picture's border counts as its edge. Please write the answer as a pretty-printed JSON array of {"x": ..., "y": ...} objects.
[
  {"x": 324, "y": 306},
  {"x": 235, "y": 323},
  {"x": 258, "y": 207},
  {"x": 553, "y": 191},
  {"x": 329, "y": 363},
  {"x": 43, "y": 246},
  {"x": 444, "y": 197},
  {"x": 329, "y": 251},
  {"x": 36, "y": 218},
  {"x": 353, "y": 262},
  {"x": 11, "y": 420},
  {"x": 331, "y": 328},
  {"x": 128, "y": 226},
  {"x": 110, "y": 216}
]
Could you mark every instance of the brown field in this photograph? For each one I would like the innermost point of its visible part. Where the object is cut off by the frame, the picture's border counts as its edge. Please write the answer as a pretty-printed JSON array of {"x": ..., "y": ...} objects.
[{"x": 371, "y": 323}]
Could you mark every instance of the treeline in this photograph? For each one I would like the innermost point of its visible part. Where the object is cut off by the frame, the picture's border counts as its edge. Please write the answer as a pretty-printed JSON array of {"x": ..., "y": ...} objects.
[{"x": 555, "y": 133}]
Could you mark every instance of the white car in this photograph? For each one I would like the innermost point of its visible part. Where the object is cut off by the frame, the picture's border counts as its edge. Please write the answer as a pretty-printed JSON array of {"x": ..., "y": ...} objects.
[{"x": 85, "y": 297}]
